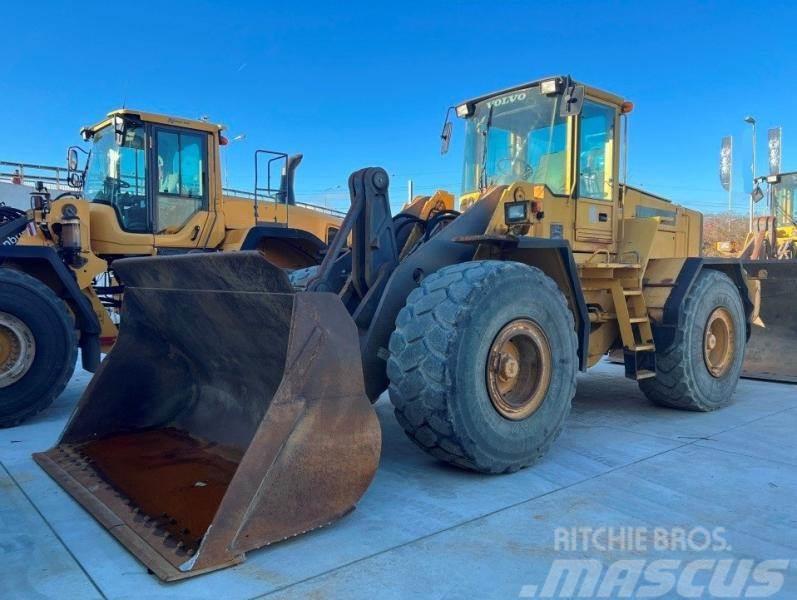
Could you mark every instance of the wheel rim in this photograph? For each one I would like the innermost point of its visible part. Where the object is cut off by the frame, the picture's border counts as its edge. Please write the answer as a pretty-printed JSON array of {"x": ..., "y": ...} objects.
[
  {"x": 718, "y": 342},
  {"x": 519, "y": 369},
  {"x": 17, "y": 349}
]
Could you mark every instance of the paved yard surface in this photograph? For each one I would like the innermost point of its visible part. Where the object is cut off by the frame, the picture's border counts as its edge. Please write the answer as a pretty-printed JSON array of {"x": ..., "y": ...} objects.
[{"x": 428, "y": 530}]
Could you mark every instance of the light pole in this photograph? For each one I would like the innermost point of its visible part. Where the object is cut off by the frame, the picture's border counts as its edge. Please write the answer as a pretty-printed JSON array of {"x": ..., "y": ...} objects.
[
  {"x": 238, "y": 138},
  {"x": 327, "y": 192},
  {"x": 751, "y": 120}
]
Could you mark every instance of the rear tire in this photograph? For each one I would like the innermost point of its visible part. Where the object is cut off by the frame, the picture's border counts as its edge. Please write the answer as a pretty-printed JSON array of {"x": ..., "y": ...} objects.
[
  {"x": 441, "y": 385},
  {"x": 30, "y": 309},
  {"x": 684, "y": 377}
]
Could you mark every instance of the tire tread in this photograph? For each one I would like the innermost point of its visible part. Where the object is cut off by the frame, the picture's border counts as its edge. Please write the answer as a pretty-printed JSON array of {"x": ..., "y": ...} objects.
[
  {"x": 418, "y": 370},
  {"x": 17, "y": 278},
  {"x": 673, "y": 387}
]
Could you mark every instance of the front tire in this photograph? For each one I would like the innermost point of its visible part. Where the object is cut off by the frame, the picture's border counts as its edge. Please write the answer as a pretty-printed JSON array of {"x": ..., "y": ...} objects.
[
  {"x": 701, "y": 368},
  {"x": 38, "y": 346},
  {"x": 483, "y": 365}
]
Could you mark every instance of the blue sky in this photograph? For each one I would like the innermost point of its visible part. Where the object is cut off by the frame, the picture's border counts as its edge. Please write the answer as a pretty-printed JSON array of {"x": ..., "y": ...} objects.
[{"x": 354, "y": 84}]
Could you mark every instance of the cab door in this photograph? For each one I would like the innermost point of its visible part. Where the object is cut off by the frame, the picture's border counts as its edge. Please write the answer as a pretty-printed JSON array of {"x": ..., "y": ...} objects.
[
  {"x": 179, "y": 188},
  {"x": 597, "y": 189}
]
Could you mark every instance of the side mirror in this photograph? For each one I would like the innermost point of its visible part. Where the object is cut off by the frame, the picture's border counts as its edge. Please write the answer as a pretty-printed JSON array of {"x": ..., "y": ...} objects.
[
  {"x": 445, "y": 135},
  {"x": 71, "y": 159},
  {"x": 74, "y": 180},
  {"x": 572, "y": 101},
  {"x": 757, "y": 194}
]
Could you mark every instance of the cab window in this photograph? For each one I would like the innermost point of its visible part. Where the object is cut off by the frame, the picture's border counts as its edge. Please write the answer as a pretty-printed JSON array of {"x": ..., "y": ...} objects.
[
  {"x": 784, "y": 193},
  {"x": 181, "y": 184},
  {"x": 537, "y": 156},
  {"x": 116, "y": 175},
  {"x": 596, "y": 151},
  {"x": 519, "y": 136}
]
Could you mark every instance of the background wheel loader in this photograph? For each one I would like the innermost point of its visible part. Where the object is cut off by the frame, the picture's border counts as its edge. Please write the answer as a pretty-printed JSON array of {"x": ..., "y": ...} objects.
[
  {"x": 769, "y": 254},
  {"x": 243, "y": 418},
  {"x": 151, "y": 186}
]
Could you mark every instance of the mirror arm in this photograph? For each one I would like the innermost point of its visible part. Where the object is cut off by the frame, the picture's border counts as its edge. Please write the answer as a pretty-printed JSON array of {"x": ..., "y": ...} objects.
[{"x": 572, "y": 100}]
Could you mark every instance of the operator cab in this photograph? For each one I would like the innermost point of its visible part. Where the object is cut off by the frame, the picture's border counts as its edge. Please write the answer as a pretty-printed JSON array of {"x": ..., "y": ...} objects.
[
  {"x": 136, "y": 157},
  {"x": 560, "y": 137},
  {"x": 782, "y": 188},
  {"x": 525, "y": 134}
]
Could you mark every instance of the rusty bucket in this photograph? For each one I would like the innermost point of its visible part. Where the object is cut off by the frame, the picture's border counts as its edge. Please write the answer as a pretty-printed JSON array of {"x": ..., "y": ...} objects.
[
  {"x": 771, "y": 349},
  {"x": 230, "y": 414}
]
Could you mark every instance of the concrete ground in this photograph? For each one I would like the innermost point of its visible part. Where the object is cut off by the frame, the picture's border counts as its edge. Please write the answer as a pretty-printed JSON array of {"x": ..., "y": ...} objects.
[{"x": 429, "y": 530}]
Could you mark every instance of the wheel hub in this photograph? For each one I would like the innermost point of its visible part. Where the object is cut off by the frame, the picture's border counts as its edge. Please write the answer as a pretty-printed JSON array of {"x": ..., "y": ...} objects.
[
  {"x": 509, "y": 367},
  {"x": 718, "y": 342},
  {"x": 17, "y": 349},
  {"x": 519, "y": 369}
]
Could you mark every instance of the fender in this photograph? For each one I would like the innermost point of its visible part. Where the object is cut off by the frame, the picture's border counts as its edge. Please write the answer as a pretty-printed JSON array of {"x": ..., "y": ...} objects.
[
  {"x": 672, "y": 316},
  {"x": 554, "y": 257},
  {"x": 448, "y": 247},
  {"x": 305, "y": 238},
  {"x": 86, "y": 321}
]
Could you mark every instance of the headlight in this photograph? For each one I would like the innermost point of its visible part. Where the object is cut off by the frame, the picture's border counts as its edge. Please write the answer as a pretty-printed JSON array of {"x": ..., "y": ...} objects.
[
  {"x": 464, "y": 110},
  {"x": 550, "y": 86}
]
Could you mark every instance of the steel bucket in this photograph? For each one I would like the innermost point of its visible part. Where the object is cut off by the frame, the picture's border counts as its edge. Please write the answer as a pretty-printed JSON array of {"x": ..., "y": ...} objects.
[
  {"x": 230, "y": 414},
  {"x": 771, "y": 349}
]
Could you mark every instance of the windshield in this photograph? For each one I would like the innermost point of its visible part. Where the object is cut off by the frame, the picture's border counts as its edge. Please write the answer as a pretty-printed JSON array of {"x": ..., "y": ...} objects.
[
  {"x": 515, "y": 137},
  {"x": 117, "y": 175},
  {"x": 784, "y": 191}
]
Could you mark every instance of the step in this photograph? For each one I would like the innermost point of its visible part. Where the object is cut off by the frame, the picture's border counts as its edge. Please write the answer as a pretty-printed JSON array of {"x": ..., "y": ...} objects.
[
  {"x": 610, "y": 265},
  {"x": 602, "y": 317},
  {"x": 645, "y": 374},
  {"x": 632, "y": 292},
  {"x": 643, "y": 348},
  {"x": 638, "y": 319}
]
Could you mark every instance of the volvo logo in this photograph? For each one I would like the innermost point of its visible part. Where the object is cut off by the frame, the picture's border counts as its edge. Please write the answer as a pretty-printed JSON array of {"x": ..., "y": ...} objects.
[{"x": 504, "y": 100}]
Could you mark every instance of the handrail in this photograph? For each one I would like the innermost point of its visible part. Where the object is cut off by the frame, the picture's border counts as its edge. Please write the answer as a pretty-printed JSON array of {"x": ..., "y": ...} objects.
[
  {"x": 21, "y": 174},
  {"x": 251, "y": 195}
]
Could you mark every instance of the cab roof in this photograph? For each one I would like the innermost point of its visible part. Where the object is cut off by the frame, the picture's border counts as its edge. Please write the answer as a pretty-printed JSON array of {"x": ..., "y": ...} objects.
[
  {"x": 589, "y": 90},
  {"x": 149, "y": 117}
]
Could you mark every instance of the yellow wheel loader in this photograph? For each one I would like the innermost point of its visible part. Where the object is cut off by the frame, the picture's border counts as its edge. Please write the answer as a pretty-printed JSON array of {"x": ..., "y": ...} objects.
[
  {"x": 774, "y": 237},
  {"x": 244, "y": 417},
  {"x": 151, "y": 186},
  {"x": 769, "y": 255}
]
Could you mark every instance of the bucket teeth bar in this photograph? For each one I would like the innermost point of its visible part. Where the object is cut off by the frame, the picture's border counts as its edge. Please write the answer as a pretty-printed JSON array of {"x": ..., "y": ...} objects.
[{"x": 231, "y": 414}]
